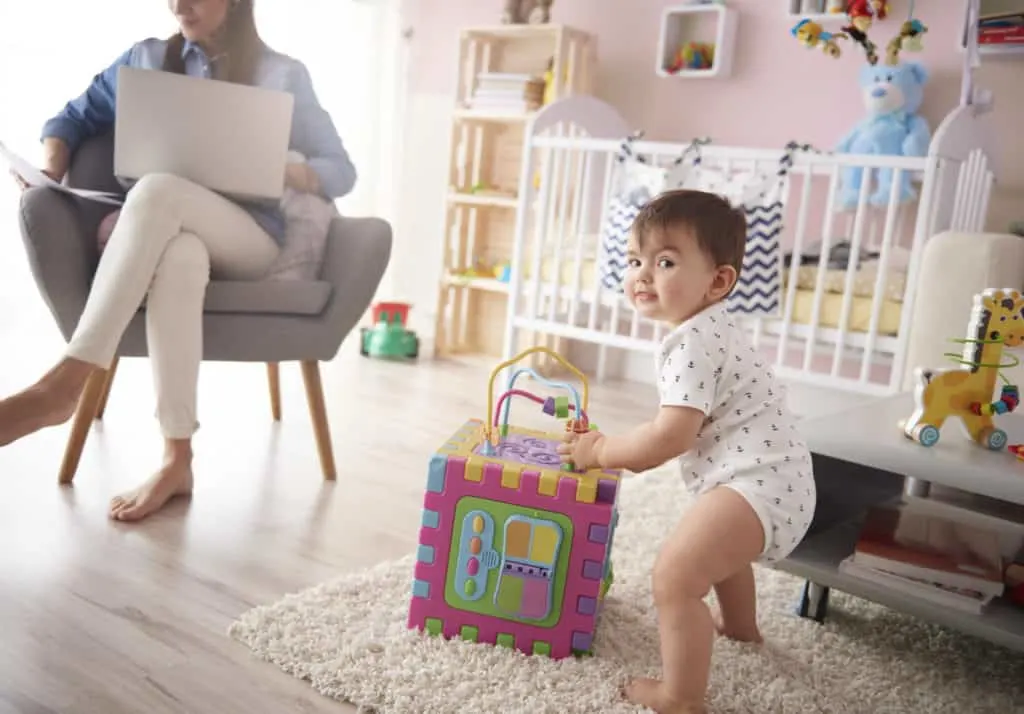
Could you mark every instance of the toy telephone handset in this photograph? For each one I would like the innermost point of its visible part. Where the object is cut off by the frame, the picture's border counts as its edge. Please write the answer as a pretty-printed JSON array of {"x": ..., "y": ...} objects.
[{"x": 562, "y": 407}]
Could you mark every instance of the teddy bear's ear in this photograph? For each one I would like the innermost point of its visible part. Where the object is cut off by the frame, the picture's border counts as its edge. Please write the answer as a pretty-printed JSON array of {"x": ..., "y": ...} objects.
[{"x": 918, "y": 71}]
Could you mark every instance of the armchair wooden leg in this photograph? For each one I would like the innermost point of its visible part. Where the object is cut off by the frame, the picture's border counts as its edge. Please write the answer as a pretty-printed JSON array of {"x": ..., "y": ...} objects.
[
  {"x": 107, "y": 382},
  {"x": 274, "y": 377},
  {"x": 88, "y": 405},
  {"x": 318, "y": 413}
]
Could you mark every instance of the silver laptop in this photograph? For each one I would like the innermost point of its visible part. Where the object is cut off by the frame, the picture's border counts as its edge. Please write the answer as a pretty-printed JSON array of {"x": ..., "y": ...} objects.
[{"x": 230, "y": 138}]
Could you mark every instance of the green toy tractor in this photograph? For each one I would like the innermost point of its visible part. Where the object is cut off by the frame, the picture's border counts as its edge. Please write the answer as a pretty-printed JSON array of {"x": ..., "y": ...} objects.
[{"x": 389, "y": 338}]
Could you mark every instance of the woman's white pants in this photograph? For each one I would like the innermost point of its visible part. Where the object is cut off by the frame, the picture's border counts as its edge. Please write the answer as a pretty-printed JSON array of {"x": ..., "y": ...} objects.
[{"x": 170, "y": 236}]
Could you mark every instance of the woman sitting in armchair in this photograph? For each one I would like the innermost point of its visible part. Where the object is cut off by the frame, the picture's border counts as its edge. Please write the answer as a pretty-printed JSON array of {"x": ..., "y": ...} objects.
[{"x": 170, "y": 235}]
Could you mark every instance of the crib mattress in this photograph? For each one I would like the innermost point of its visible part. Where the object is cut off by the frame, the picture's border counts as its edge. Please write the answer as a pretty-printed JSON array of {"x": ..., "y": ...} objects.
[
  {"x": 860, "y": 312},
  {"x": 894, "y": 285},
  {"x": 803, "y": 302}
]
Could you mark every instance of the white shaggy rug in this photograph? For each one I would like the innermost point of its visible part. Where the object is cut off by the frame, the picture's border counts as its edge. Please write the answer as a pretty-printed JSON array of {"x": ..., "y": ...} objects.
[{"x": 348, "y": 639}]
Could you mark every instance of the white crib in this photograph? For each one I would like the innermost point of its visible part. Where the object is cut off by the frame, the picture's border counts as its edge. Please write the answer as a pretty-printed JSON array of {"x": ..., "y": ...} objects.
[{"x": 844, "y": 326}]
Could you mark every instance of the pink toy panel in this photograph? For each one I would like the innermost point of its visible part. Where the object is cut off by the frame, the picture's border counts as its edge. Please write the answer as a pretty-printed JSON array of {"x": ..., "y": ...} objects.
[{"x": 513, "y": 550}]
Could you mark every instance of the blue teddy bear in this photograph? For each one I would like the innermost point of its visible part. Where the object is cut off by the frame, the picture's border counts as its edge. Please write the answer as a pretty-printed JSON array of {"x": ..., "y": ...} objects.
[{"x": 893, "y": 95}]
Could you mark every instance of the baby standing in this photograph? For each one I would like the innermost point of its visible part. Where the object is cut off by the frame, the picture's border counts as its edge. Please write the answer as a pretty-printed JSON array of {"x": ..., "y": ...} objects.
[{"x": 721, "y": 413}]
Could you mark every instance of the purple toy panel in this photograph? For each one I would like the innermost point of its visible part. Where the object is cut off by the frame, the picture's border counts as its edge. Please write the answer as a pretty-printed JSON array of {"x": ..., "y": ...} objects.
[{"x": 528, "y": 450}]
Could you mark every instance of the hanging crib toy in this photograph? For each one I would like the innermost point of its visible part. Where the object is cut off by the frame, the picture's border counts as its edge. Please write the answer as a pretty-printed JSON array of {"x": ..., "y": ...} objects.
[{"x": 861, "y": 15}]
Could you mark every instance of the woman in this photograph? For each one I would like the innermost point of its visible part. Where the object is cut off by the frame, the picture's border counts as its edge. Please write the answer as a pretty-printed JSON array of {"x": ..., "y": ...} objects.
[{"x": 172, "y": 233}]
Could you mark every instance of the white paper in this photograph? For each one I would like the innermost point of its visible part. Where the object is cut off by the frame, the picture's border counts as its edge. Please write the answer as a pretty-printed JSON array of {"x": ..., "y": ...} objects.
[{"x": 34, "y": 177}]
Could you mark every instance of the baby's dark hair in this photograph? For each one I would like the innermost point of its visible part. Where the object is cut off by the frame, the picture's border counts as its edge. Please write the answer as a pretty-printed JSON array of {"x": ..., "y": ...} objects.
[{"x": 720, "y": 229}]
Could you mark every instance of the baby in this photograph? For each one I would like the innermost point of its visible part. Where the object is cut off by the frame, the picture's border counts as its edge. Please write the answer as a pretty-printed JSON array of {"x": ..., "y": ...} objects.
[{"x": 723, "y": 414}]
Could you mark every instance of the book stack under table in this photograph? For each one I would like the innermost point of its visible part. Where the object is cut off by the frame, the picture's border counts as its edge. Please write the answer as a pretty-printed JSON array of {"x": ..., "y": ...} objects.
[
  {"x": 501, "y": 91},
  {"x": 941, "y": 554}
]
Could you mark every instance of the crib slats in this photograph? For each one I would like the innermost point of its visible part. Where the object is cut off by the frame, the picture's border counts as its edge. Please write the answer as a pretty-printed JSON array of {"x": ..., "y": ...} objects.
[
  {"x": 879, "y": 296},
  {"x": 794, "y": 265},
  {"x": 819, "y": 283},
  {"x": 852, "y": 265},
  {"x": 582, "y": 206},
  {"x": 826, "y": 334}
]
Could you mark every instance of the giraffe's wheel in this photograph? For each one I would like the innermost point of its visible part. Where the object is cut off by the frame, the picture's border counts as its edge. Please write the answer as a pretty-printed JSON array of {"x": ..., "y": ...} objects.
[
  {"x": 996, "y": 439},
  {"x": 925, "y": 434}
]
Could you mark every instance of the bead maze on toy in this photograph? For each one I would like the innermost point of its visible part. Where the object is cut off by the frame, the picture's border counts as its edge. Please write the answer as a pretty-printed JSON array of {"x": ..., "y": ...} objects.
[
  {"x": 966, "y": 391},
  {"x": 515, "y": 547}
]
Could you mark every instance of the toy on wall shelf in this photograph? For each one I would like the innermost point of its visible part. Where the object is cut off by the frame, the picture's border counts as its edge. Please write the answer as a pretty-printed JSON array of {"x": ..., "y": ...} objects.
[
  {"x": 389, "y": 338},
  {"x": 515, "y": 547},
  {"x": 693, "y": 56},
  {"x": 522, "y": 12},
  {"x": 966, "y": 391}
]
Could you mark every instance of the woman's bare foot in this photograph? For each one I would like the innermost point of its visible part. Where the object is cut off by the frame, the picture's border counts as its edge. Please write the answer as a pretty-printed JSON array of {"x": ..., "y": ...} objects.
[
  {"x": 48, "y": 402},
  {"x": 174, "y": 479},
  {"x": 653, "y": 694},
  {"x": 741, "y": 633}
]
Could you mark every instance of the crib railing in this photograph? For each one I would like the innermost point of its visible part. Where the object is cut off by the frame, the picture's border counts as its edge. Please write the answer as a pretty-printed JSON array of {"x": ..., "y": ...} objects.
[{"x": 556, "y": 290}]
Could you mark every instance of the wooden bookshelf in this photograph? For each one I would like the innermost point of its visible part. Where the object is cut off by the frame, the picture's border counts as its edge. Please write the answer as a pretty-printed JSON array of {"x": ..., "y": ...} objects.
[{"x": 486, "y": 158}]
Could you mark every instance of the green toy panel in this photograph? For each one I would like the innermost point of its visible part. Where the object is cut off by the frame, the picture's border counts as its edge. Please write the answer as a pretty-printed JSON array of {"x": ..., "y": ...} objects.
[{"x": 508, "y": 562}]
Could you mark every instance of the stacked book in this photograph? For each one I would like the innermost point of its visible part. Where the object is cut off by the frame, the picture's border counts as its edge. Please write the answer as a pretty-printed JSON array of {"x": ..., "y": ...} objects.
[
  {"x": 1001, "y": 28},
  {"x": 506, "y": 92},
  {"x": 929, "y": 554}
]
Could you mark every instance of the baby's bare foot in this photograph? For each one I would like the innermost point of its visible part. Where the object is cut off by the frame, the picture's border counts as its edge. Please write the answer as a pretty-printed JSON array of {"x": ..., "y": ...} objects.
[
  {"x": 174, "y": 479},
  {"x": 733, "y": 631},
  {"x": 653, "y": 694},
  {"x": 35, "y": 408}
]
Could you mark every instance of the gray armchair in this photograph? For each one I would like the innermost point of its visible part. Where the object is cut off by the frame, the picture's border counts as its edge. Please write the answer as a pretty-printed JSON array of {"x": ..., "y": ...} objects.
[{"x": 270, "y": 321}]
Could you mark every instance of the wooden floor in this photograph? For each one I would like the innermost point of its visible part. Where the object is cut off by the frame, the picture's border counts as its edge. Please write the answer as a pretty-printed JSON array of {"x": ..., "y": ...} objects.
[
  {"x": 105, "y": 618},
  {"x": 102, "y": 618}
]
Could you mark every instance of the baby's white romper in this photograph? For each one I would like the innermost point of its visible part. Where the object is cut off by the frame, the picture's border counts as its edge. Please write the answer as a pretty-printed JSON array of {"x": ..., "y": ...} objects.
[{"x": 749, "y": 440}]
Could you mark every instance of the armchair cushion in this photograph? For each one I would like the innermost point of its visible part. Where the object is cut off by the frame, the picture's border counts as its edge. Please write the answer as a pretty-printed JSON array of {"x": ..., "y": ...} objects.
[{"x": 269, "y": 297}]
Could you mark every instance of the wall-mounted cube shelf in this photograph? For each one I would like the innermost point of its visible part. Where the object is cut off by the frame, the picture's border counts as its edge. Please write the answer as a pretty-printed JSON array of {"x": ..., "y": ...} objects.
[
  {"x": 697, "y": 22},
  {"x": 820, "y": 11}
]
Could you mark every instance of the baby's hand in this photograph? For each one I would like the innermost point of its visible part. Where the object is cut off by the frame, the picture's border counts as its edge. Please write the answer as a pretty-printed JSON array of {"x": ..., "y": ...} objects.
[{"x": 582, "y": 449}]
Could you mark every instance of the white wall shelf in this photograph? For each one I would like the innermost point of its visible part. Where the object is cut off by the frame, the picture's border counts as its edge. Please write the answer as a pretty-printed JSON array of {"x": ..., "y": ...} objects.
[
  {"x": 1013, "y": 50},
  {"x": 678, "y": 26},
  {"x": 819, "y": 11}
]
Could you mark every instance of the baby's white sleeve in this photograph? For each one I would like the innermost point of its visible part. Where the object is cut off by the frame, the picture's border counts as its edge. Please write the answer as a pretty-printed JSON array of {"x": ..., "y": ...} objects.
[{"x": 689, "y": 374}]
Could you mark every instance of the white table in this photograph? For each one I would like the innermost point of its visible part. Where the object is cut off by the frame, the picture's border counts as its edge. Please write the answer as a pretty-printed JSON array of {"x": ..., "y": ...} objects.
[{"x": 862, "y": 458}]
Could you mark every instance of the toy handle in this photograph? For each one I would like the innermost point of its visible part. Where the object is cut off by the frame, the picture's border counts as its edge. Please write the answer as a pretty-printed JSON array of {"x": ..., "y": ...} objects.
[
  {"x": 533, "y": 350},
  {"x": 506, "y": 398}
]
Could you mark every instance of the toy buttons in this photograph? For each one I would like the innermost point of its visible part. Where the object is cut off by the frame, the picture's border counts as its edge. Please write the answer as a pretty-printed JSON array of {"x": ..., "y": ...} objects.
[{"x": 966, "y": 391}]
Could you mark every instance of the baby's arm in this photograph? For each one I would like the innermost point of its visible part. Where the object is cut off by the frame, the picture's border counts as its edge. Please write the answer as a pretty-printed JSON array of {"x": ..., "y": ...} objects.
[
  {"x": 686, "y": 387},
  {"x": 670, "y": 434}
]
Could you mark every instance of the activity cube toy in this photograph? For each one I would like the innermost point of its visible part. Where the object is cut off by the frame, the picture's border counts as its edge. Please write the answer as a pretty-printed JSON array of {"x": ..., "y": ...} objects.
[{"x": 515, "y": 547}]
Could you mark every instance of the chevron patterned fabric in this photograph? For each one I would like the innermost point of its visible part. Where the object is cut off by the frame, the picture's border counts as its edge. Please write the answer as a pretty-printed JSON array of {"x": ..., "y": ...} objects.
[
  {"x": 621, "y": 214},
  {"x": 759, "y": 288}
]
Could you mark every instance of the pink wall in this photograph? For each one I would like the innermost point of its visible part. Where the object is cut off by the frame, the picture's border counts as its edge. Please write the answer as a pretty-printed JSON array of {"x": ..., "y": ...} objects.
[{"x": 778, "y": 90}]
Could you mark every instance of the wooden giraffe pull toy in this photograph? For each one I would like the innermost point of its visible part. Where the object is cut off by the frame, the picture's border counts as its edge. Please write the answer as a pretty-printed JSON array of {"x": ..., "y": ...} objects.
[{"x": 966, "y": 391}]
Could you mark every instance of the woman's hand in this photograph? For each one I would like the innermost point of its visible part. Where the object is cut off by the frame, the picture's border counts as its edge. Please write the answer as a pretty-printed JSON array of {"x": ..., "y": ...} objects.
[
  {"x": 23, "y": 184},
  {"x": 302, "y": 178},
  {"x": 582, "y": 450}
]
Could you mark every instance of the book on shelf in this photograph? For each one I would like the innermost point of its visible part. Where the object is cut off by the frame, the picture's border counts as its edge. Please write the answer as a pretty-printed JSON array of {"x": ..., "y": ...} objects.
[
  {"x": 509, "y": 92},
  {"x": 931, "y": 548},
  {"x": 1001, "y": 28},
  {"x": 965, "y": 599}
]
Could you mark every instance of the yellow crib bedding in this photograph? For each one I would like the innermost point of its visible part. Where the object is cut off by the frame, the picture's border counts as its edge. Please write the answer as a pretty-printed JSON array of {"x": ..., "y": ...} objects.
[{"x": 830, "y": 312}]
